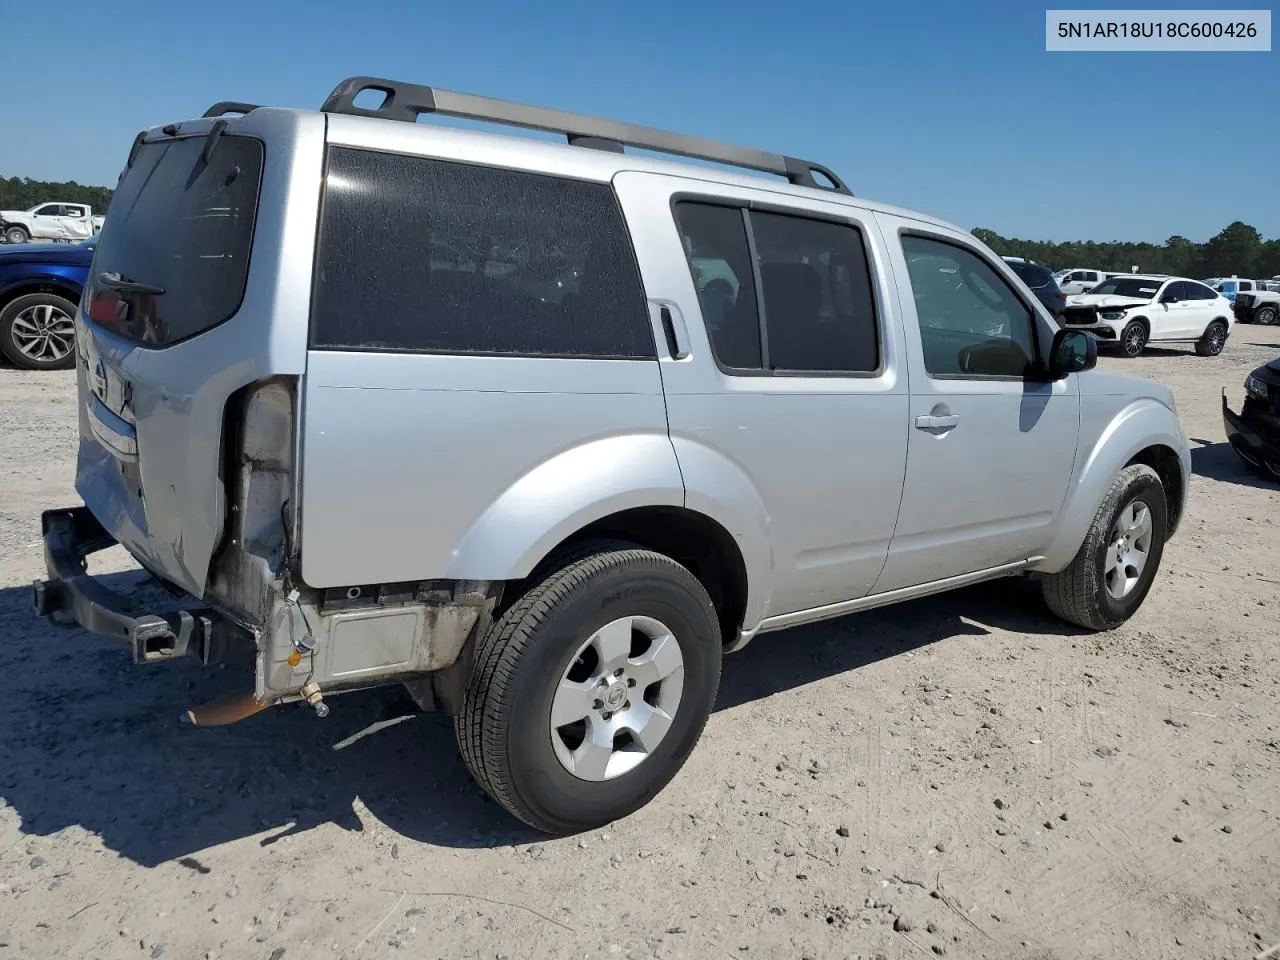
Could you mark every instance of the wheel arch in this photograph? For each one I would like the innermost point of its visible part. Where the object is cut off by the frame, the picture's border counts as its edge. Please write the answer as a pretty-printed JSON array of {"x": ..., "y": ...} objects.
[
  {"x": 51, "y": 285},
  {"x": 1146, "y": 432},
  {"x": 694, "y": 540}
]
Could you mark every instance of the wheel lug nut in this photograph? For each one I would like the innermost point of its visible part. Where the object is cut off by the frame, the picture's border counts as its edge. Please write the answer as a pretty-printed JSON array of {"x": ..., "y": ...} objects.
[
  {"x": 597, "y": 704},
  {"x": 618, "y": 672},
  {"x": 630, "y": 682},
  {"x": 626, "y": 705}
]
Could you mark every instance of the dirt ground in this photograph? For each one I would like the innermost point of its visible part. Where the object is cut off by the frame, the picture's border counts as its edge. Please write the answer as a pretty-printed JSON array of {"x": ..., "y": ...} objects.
[{"x": 962, "y": 776}]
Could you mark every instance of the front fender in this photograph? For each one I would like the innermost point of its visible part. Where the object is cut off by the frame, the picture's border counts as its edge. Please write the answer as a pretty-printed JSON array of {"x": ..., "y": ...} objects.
[
  {"x": 1121, "y": 436},
  {"x": 562, "y": 495}
]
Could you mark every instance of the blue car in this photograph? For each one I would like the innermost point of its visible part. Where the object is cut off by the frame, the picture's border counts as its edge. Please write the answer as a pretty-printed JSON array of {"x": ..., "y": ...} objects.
[{"x": 40, "y": 286}]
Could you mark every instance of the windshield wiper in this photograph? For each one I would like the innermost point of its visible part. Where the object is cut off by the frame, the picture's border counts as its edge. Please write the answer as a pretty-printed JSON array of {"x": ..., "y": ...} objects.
[{"x": 114, "y": 282}]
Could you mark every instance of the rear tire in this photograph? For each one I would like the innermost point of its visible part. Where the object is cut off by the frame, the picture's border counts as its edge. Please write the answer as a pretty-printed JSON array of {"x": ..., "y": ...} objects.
[
  {"x": 1266, "y": 315},
  {"x": 1101, "y": 589},
  {"x": 1133, "y": 339},
  {"x": 1213, "y": 340},
  {"x": 585, "y": 632},
  {"x": 37, "y": 332}
]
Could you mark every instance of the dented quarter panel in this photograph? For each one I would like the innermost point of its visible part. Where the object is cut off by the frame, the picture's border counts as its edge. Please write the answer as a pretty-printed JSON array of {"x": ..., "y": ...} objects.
[{"x": 176, "y": 396}]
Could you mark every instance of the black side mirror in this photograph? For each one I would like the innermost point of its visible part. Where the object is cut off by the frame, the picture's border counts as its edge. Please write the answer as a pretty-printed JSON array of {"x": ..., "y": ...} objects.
[
  {"x": 1169, "y": 298},
  {"x": 1072, "y": 351}
]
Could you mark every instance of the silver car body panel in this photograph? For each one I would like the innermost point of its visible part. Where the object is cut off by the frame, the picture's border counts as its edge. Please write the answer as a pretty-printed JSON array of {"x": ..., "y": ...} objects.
[
  {"x": 419, "y": 467},
  {"x": 822, "y": 456},
  {"x": 175, "y": 396}
]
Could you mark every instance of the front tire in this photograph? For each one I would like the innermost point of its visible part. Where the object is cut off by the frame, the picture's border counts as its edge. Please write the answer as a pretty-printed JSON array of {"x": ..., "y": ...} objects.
[
  {"x": 591, "y": 691},
  {"x": 37, "y": 332},
  {"x": 1117, "y": 563},
  {"x": 16, "y": 234},
  {"x": 1133, "y": 339},
  {"x": 1213, "y": 340}
]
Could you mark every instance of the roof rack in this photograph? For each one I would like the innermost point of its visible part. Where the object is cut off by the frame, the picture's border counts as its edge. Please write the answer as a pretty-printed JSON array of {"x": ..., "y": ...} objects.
[
  {"x": 223, "y": 107},
  {"x": 407, "y": 101}
]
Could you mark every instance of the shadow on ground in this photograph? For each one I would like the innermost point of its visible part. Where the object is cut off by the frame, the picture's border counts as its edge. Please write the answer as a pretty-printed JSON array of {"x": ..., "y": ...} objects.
[
  {"x": 1217, "y": 461},
  {"x": 90, "y": 739}
]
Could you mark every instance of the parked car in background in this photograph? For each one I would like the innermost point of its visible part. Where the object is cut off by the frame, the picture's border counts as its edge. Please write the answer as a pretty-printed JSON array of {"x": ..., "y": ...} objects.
[
  {"x": 1261, "y": 306},
  {"x": 1080, "y": 280},
  {"x": 1132, "y": 310},
  {"x": 1254, "y": 432},
  {"x": 1042, "y": 284},
  {"x": 40, "y": 286},
  {"x": 1233, "y": 286},
  {"x": 50, "y": 221}
]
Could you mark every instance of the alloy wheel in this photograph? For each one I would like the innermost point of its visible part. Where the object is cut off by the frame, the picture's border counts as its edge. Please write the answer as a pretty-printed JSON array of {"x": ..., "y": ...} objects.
[
  {"x": 44, "y": 333},
  {"x": 1128, "y": 548},
  {"x": 617, "y": 699}
]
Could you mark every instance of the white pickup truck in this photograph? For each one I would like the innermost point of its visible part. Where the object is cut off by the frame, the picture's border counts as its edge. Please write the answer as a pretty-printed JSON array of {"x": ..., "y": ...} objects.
[{"x": 50, "y": 221}]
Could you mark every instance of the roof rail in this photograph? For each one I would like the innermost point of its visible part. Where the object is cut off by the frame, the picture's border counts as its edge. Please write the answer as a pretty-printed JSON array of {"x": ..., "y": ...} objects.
[
  {"x": 407, "y": 101},
  {"x": 223, "y": 107}
]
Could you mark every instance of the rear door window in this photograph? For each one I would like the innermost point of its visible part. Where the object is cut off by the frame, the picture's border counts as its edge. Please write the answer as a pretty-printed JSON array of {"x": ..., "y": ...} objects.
[
  {"x": 818, "y": 314},
  {"x": 819, "y": 311},
  {"x": 433, "y": 256},
  {"x": 181, "y": 226}
]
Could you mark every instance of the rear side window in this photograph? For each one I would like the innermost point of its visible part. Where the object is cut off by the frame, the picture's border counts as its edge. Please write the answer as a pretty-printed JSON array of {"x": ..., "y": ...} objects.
[
  {"x": 439, "y": 257},
  {"x": 1032, "y": 275},
  {"x": 715, "y": 240},
  {"x": 181, "y": 226},
  {"x": 818, "y": 313}
]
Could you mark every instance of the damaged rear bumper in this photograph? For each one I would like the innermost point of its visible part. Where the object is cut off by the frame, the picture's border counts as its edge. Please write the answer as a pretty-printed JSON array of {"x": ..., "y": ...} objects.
[{"x": 70, "y": 536}]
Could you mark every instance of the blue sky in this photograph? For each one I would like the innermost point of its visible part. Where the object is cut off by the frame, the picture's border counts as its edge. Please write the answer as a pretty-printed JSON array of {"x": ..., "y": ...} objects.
[{"x": 954, "y": 109}]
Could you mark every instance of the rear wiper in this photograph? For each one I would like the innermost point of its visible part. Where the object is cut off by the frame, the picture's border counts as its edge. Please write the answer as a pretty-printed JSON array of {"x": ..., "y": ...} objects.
[{"x": 112, "y": 281}]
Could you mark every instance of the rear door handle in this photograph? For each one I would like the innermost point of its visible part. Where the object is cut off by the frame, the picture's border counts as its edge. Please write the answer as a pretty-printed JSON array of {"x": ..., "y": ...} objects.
[{"x": 929, "y": 422}]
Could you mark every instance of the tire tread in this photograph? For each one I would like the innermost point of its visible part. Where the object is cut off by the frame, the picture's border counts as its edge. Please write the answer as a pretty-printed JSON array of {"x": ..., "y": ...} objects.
[
  {"x": 481, "y": 724},
  {"x": 1072, "y": 594}
]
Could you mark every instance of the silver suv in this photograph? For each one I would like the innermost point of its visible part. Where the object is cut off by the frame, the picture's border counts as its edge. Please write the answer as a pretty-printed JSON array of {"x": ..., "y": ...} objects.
[{"x": 541, "y": 430}]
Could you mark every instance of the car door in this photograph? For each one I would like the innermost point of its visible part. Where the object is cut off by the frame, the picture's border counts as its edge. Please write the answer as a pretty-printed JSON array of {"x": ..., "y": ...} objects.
[
  {"x": 75, "y": 222},
  {"x": 1177, "y": 313},
  {"x": 1206, "y": 307},
  {"x": 46, "y": 222},
  {"x": 786, "y": 399},
  {"x": 991, "y": 450}
]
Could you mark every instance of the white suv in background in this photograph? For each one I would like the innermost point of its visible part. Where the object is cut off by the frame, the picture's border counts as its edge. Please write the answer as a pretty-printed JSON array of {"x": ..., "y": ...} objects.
[{"x": 1134, "y": 309}]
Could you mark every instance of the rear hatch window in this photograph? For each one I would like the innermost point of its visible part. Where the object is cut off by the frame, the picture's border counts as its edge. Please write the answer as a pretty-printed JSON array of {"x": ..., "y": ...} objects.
[
  {"x": 173, "y": 255},
  {"x": 1033, "y": 275}
]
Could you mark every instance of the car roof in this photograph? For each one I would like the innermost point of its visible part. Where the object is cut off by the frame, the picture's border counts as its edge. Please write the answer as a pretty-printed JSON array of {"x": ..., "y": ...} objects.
[{"x": 598, "y": 153}]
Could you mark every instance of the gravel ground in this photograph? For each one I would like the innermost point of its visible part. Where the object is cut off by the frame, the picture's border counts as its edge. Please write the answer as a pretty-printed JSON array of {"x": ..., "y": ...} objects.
[{"x": 962, "y": 776}]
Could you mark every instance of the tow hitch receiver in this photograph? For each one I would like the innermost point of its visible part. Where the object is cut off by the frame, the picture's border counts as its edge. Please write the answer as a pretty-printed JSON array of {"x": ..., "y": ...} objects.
[{"x": 72, "y": 534}]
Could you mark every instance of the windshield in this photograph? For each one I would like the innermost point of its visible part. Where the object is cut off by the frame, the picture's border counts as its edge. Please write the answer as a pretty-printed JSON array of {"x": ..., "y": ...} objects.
[{"x": 1127, "y": 287}]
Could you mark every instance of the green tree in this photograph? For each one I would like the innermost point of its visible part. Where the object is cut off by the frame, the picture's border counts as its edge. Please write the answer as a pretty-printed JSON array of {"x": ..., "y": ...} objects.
[
  {"x": 23, "y": 193},
  {"x": 1238, "y": 249}
]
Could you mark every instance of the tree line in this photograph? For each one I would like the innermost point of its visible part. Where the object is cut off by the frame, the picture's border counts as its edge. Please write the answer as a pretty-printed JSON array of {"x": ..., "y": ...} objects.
[
  {"x": 1238, "y": 250},
  {"x": 23, "y": 193}
]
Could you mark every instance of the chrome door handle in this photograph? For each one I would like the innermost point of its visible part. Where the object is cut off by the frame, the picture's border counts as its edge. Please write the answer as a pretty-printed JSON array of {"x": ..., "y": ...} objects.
[{"x": 928, "y": 422}]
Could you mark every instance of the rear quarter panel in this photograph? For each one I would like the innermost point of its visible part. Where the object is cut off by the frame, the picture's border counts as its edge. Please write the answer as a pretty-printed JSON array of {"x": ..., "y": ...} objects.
[{"x": 419, "y": 466}]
